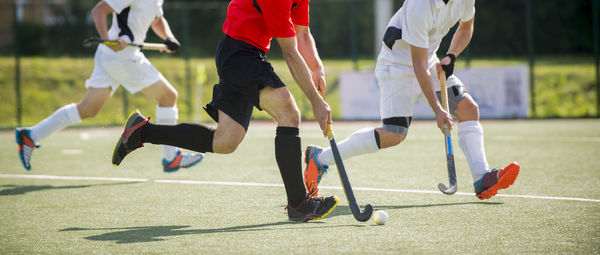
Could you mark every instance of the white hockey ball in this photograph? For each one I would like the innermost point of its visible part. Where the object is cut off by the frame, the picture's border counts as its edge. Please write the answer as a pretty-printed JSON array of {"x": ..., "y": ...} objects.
[{"x": 380, "y": 217}]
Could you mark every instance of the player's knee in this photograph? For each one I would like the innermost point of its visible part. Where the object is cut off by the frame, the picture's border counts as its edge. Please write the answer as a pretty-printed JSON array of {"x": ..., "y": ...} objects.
[
  {"x": 391, "y": 138},
  {"x": 467, "y": 109},
  {"x": 289, "y": 117},
  {"x": 225, "y": 144},
  {"x": 169, "y": 98},
  {"x": 395, "y": 139},
  {"x": 227, "y": 148},
  {"x": 87, "y": 112}
]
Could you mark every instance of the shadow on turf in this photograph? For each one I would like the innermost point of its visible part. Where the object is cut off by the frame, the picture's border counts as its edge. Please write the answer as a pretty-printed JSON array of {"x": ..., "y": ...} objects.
[
  {"x": 158, "y": 233},
  {"x": 125, "y": 235},
  {"x": 23, "y": 189},
  {"x": 342, "y": 210}
]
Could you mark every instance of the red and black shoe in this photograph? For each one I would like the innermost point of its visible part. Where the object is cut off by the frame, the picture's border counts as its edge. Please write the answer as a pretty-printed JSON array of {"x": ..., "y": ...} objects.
[
  {"x": 130, "y": 139},
  {"x": 312, "y": 208},
  {"x": 495, "y": 180},
  {"x": 26, "y": 146}
]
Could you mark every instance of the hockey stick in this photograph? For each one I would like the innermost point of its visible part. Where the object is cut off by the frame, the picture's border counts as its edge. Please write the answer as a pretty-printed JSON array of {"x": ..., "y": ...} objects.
[
  {"x": 144, "y": 46},
  {"x": 448, "y": 140},
  {"x": 358, "y": 215}
]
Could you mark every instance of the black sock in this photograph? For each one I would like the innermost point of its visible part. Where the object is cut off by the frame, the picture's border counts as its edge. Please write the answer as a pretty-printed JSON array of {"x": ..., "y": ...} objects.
[
  {"x": 196, "y": 137},
  {"x": 288, "y": 153}
]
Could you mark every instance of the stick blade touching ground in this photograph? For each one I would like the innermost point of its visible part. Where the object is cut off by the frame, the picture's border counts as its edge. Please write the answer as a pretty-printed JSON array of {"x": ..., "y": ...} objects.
[{"x": 447, "y": 190}]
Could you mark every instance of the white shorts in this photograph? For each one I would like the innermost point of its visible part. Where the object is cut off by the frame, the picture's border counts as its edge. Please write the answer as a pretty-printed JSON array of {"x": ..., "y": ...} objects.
[
  {"x": 134, "y": 73},
  {"x": 399, "y": 89}
]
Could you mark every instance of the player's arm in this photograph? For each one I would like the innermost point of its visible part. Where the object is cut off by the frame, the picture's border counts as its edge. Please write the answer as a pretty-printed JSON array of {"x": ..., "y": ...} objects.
[
  {"x": 308, "y": 50},
  {"x": 99, "y": 13},
  {"x": 461, "y": 37},
  {"x": 301, "y": 74},
  {"x": 420, "y": 65},
  {"x": 161, "y": 28},
  {"x": 460, "y": 40}
]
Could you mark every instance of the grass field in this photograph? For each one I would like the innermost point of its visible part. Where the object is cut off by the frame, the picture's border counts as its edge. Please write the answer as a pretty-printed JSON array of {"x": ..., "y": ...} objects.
[{"x": 235, "y": 204}]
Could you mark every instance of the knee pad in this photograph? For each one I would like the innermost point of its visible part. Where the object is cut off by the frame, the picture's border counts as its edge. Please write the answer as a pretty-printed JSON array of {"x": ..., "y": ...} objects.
[{"x": 398, "y": 125}]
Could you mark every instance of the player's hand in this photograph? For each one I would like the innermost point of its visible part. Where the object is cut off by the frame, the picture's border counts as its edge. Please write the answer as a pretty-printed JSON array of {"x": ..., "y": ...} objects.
[
  {"x": 322, "y": 114},
  {"x": 172, "y": 44},
  {"x": 122, "y": 45},
  {"x": 446, "y": 64},
  {"x": 443, "y": 118},
  {"x": 318, "y": 78}
]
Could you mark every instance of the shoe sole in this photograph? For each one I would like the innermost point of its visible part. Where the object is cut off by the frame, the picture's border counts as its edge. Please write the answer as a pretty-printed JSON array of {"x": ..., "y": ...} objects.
[
  {"x": 509, "y": 175},
  {"x": 127, "y": 126}
]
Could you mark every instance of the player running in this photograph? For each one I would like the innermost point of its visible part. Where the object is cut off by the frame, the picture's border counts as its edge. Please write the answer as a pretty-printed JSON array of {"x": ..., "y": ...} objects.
[
  {"x": 119, "y": 65},
  {"x": 406, "y": 70},
  {"x": 247, "y": 80}
]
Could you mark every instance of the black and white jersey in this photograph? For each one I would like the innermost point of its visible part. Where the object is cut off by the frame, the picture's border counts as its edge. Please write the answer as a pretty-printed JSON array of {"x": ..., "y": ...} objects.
[
  {"x": 131, "y": 20},
  {"x": 421, "y": 23}
]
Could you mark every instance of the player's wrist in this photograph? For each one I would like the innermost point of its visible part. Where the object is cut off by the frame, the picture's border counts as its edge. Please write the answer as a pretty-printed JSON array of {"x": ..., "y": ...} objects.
[
  {"x": 449, "y": 68},
  {"x": 451, "y": 56},
  {"x": 172, "y": 43}
]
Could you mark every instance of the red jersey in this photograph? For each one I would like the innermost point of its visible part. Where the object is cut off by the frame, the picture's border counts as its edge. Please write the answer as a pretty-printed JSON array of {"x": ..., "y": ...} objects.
[{"x": 256, "y": 22}]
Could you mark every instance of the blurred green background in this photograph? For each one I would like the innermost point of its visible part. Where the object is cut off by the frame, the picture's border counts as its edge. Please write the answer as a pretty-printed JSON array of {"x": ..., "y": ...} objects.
[{"x": 555, "y": 38}]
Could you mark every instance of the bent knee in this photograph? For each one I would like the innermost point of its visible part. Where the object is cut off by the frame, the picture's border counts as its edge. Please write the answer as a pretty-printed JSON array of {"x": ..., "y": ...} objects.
[
  {"x": 225, "y": 147},
  {"x": 87, "y": 112},
  {"x": 169, "y": 98},
  {"x": 467, "y": 110},
  {"x": 395, "y": 139},
  {"x": 389, "y": 139},
  {"x": 291, "y": 118}
]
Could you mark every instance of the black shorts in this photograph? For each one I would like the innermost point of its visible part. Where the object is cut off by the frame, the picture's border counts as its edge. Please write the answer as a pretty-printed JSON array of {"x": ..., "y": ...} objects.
[{"x": 243, "y": 71}]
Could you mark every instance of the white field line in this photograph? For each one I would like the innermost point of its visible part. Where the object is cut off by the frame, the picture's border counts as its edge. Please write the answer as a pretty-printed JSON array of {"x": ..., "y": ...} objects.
[{"x": 120, "y": 179}]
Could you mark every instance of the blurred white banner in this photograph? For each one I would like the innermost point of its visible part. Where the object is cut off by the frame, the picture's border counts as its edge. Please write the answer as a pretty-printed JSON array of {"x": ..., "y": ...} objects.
[{"x": 501, "y": 92}]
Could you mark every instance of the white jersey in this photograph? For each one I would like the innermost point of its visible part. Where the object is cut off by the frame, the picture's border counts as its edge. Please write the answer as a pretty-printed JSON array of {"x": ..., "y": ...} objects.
[
  {"x": 421, "y": 23},
  {"x": 131, "y": 21}
]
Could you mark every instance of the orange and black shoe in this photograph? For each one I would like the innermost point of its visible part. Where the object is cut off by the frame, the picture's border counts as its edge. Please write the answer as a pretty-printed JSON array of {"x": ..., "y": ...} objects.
[
  {"x": 312, "y": 208},
  {"x": 315, "y": 170},
  {"x": 181, "y": 160},
  {"x": 26, "y": 146},
  {"x": 495, "y": 180},
  {"x": 130, "y": 139}
]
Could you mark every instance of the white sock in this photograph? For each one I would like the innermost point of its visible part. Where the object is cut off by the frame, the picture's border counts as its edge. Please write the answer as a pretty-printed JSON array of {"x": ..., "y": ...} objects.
[
  {"x": 358, "y": 143},
  {"x": 167, "y": 116},
  {"x": 65, "y": 116},
  {"x": 470, "y": 138}
]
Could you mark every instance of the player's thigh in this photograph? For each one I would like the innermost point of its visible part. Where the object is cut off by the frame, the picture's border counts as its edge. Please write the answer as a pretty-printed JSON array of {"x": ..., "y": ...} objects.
[
  {"x": 280, "y": 104},
  {"x": 162, "y": 92},
  {"x": 228, "y": 135},
  {"x": 398, "y": 90},
  {"x": 100, "y": 77},
  {"x": 93, "y": 101},
  {"x": 133, "y": 74}
]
